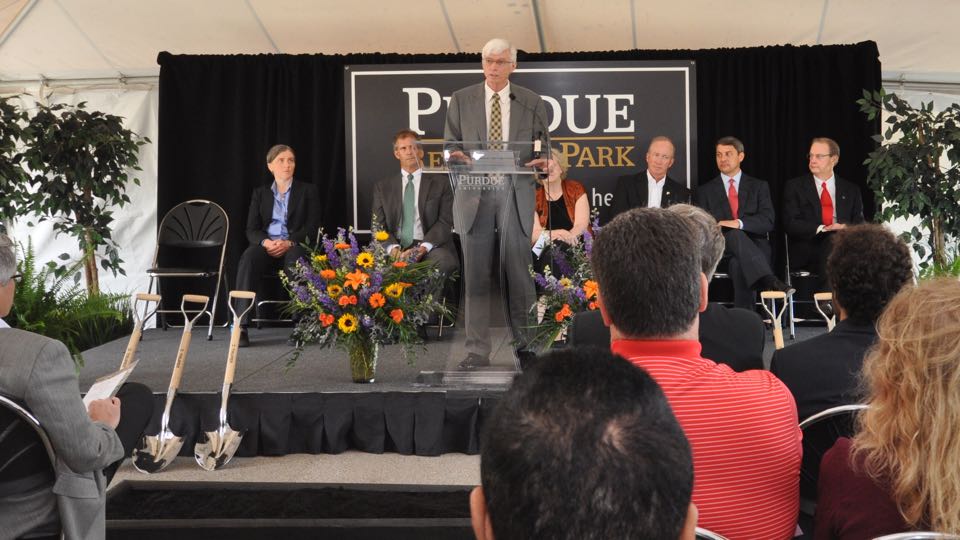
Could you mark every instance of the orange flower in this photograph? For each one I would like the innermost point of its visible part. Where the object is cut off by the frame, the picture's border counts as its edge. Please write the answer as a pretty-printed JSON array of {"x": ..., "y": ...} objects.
[
  {"x": 396, "y": 315},
  {"x": 590, "y": 289},
  {"x": 377, "y": 300},
  {"x": 400, "y": 264},
  {"x": 347, "y": 300},
  {"x": 326, "y": 319},
  {"x": 405, "y": 284},
  {"x": 356, "y": 279},
  {"x": 592, "y": 306},
  {"x": 328, "y": 274},
  {"x": 341, "y": 245},
  {"x": 564, "y": 313}
]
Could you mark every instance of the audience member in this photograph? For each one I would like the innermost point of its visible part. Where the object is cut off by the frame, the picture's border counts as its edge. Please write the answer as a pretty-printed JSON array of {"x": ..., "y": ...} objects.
[
  {"x": 89, "y": 443},
  {"x": 743, "y": 207},
  {"x": 731, "y": 336},
  {"x": 584, "y": 446},
  {"x": 900, "y": 472},
  {"x": 651, "y": 188},
  {"x": 562, "y": 214},
  {"x": 815, "y": 206},
  {"x": 742, "y": 427},
  {"x": 867, "y": 267},
  {"x": 281, "y": 217}
]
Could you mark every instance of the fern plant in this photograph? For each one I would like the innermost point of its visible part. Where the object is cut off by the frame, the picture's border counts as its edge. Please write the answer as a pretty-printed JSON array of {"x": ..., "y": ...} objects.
[{"x": 57, "y": 307}]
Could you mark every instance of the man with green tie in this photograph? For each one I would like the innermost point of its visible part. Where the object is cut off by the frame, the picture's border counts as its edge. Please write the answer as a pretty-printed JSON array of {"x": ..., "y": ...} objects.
[{"x": 416, "y": 209}]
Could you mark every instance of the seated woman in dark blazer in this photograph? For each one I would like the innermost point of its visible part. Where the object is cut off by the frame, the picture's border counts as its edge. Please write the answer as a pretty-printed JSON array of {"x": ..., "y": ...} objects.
[
  {"x": 282, "y": 215},
  {"x": 901, "y": 471},
  {"x": 562, "y": 211}
]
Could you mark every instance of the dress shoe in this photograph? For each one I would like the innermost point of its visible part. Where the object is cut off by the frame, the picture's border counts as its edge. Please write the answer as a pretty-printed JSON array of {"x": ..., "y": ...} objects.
[
  {"x": 772, "y": 283},
  {"x": 473, "y": 361},
  {"x": 244, "y": 338}
]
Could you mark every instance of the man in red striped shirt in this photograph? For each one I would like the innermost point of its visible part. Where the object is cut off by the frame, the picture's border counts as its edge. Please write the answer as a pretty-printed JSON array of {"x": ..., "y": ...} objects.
[{"x": 742, "y": 427}]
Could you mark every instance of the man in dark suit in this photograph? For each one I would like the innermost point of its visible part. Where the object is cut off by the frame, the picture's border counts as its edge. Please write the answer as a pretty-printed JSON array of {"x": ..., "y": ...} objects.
[
  {"x": 741, "y": 205},
  {"x": 730, "y": 336},
  {"x": 652, "y": 187},
  {"x": 496, "y": 110},
  {"x": 427, "y": 232},
  {"x": 815, "y": 206},
  {"x": 867, "y": 267},
  {"x": 90, "y": 443},
  {"x": 281, "y": 217}
]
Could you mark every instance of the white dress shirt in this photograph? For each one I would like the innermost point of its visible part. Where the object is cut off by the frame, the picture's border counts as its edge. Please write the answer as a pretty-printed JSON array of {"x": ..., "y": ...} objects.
[
  {"x": 3, "y": 324},
  {"x": 654, "y": 191}
]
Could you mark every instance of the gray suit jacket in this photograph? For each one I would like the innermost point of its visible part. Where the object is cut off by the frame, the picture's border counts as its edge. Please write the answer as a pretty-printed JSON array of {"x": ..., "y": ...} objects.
[
  {"x": 434, "y": 202},
  {"x": 467, "y": 121},
  {"x": 40, "y": 372}
]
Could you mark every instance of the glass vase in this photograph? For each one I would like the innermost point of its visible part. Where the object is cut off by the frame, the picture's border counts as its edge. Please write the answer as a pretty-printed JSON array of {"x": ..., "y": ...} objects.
[{"x": 363, "y": 360}]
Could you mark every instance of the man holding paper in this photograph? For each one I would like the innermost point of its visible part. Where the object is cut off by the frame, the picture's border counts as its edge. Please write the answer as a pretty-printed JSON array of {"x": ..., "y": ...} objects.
[{"x": 90, "y": 442}]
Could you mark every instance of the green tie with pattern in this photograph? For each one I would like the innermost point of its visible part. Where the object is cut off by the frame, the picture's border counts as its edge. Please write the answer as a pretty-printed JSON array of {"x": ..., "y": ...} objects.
[
  {"x": 409, "y": 209},
  {"x": 496, "y": 122}
]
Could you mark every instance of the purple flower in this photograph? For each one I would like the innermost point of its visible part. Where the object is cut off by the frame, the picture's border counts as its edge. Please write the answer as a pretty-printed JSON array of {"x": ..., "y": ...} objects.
[
  {"x": 327, "y": 302},
  {"x": 366, "y": 321}
]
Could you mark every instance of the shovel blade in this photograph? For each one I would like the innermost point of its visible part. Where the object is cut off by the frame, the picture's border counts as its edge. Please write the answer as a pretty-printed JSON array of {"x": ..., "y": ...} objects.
[
  {"x": 218, "y": 448},
  {"x": 155, "y": 452}
]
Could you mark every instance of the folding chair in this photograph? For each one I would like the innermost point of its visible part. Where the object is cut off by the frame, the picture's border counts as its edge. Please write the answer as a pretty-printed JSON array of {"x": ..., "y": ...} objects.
[
  {"x": 196, "y": 224},
  {"x": 919, "y": 535},
  {"x": 704, "y": 534},
  {"x": 26, "y": 455},
  {"x": 793, "y": 275}
]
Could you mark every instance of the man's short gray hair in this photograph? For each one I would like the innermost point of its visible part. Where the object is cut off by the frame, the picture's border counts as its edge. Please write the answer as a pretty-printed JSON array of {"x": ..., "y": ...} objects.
[
  {"x": 8, "y": 259},
  {"x": 498, "y": 45},
  {"x": 711, "y": 235}
]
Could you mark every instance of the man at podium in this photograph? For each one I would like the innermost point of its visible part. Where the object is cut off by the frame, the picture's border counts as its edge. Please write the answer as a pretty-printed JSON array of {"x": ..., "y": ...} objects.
[{"x": 500, "y": 112}]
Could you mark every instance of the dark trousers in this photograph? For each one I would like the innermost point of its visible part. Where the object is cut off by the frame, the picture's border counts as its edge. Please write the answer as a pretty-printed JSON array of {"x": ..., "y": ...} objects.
[
  {"x": 749, "y": 262},
  {"x": 136, "y": 410},
  {"x": 254, "y": 262}
]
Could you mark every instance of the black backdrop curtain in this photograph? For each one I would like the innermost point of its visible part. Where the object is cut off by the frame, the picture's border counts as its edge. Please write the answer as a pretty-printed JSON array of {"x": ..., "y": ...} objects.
[{"x": 219, "y": 115}]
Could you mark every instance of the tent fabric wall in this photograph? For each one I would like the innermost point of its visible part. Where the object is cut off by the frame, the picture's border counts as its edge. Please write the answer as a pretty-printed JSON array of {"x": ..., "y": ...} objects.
[
  {"x": 219, "y": 115},
  {"x": 134, "y": 226}
]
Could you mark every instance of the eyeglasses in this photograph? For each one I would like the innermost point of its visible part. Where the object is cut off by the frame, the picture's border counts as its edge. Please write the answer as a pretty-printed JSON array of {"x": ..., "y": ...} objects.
[
  {"x": 15, "y": 278},
  {"x": 498, "y": 63},
  {"x": 818, "y": 156}
]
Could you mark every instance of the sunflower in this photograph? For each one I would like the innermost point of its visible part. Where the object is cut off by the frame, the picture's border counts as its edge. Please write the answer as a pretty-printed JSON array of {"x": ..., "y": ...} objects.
[
  {"x": 377, "y": 300},
  {"x": 365, "y": 260},
  {"x": 334, "y": 290},
  {"x": 347, "y": 323},
  {"x": 394, "y": 290},
  {"x": 381, "y": 236}
]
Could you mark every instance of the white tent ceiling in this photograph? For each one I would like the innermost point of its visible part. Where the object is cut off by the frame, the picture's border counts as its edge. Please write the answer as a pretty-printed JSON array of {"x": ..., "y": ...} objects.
[{"x": 81, "y": 39}]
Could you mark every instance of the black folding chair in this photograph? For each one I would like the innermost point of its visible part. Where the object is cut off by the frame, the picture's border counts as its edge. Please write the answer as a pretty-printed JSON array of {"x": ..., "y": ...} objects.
[
  {"x": 26, "y": 456},
  {"x": 192, "y": 225}
]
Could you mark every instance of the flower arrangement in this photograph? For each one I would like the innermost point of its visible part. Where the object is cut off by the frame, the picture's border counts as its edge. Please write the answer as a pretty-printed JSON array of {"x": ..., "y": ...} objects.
[
  {"x": 359, "y": 298},
  {"x": 565, "y": 288}
]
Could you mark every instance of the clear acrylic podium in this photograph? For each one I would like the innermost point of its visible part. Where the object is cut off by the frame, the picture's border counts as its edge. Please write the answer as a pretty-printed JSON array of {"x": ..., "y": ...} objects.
[{"x": 493, "y": 214}]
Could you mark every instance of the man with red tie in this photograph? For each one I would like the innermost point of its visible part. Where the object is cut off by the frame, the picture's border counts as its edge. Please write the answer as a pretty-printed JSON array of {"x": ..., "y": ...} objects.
[
  {"x": 816, "y": 205},
  {"x": 742, "y": 206}
]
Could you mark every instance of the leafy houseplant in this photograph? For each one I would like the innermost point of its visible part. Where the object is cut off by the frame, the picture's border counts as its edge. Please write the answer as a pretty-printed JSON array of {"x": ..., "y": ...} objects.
[
  {"x": 12, "y": 174},
  {"x": 906, "y": 170},
  {"x": 57, "y": 308},
  {"x": 358, "y": 298},
  {"x": 81, "y": 161}
]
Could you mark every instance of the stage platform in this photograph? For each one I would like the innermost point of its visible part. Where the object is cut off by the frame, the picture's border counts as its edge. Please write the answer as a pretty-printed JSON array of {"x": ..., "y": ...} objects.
[{"x": 312, "y": 407}]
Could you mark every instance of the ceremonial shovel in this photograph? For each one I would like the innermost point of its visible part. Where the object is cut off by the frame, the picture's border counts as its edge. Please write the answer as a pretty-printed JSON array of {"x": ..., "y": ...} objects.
[
  {"x": 775, "y": 314},
  {"x": 825, "y": 297},
  {"x": 155, "y": 452},
  {"x": 134, "y": 342},
  {"x": 219, "y": 446}
]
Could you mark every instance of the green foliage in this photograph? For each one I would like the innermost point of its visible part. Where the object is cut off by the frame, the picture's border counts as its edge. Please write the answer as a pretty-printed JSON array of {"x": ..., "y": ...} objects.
[
  {"x": 80, "y": 159},
  {"x": 57, "y": 308},
  {"x": 906, "y": 173},
  {"x": 12, "y": 175}
]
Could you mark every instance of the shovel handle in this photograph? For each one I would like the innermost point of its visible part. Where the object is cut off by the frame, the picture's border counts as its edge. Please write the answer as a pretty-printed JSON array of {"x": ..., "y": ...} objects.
[
  {"x": 181, "y": 359},
  {"x": 231, "y": 357},
  {"x": 193, "y": 299},
  {"x": 132, "y": 345},
  {"x": 249, "y": 295},
  {"x": 775, "y": 314},
  {"x": 147, "y": 297}
]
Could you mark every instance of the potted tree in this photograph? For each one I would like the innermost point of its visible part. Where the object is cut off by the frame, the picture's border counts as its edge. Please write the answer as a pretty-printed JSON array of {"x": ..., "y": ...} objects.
[
  {"x": 12, "y": 174},
  {"x": 80, "y": 160},
  {"x": 915, "y": 171}
]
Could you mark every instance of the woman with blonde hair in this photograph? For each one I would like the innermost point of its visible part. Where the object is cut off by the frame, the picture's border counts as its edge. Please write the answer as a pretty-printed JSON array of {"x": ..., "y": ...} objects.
[
  {"x": 901, "y": 471},
  {"x": 562, "y": 210}
]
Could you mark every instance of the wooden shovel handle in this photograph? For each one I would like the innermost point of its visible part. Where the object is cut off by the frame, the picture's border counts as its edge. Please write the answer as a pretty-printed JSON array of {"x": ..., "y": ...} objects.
[
  {"x": 181, "y": 359},
  {"x": 132, "y": 345}
]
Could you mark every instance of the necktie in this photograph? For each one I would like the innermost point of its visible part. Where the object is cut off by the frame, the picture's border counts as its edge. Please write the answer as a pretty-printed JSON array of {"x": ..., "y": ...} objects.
[
  {"x": 496, "y": 124},
  {"x": 734, "y": 201},
  {"x": 826, "y": 206},
  {"x": 409, "y": 210}
]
